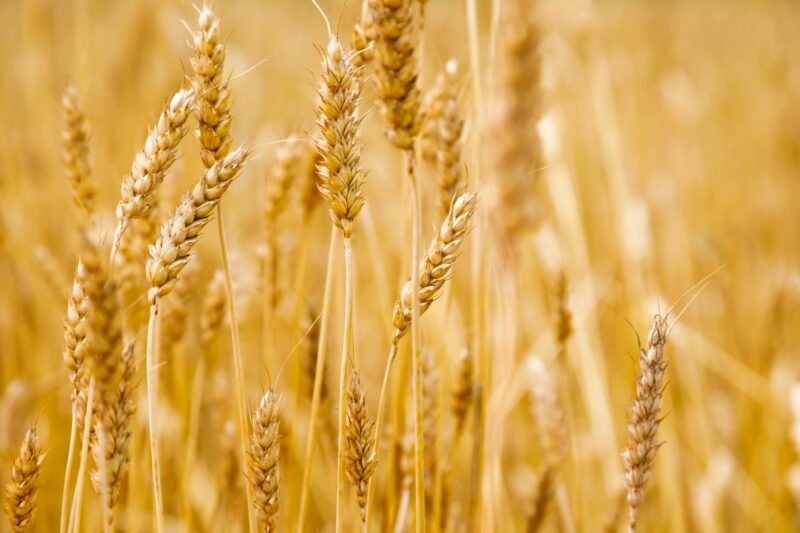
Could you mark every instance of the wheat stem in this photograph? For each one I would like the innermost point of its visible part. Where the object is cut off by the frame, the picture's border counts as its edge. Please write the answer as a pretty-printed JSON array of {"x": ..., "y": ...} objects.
[
  {"x": 347, "y": 354},
  {"x": 77, "y": 498},
  {"x": 152, "y": 413},
  {"x": 316, "y": 397},
  {"x": 73, "y": 437}
]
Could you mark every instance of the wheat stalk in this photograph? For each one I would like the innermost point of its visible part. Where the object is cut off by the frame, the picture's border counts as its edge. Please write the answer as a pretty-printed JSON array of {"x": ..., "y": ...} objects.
[{"x": 22, "y": 490}]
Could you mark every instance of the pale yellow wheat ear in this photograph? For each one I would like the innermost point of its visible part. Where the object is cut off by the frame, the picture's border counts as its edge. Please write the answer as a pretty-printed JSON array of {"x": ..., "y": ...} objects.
[
  {"x": 213, "y": 309},
  {"x": 263, "y": 461},
  {"x": 21, "y": 492},
  {"x": 360, "y": 457},
  {"x": 364, "y": 37},
  {"x": 644, "y": 418},
  {"x": 436, "y": 267},
  {"x": 450, "y": 126},
  {"x": 150, "y": 165},
  {"x": 461, "y": 396},
  {"x": 75, "y": 155}
]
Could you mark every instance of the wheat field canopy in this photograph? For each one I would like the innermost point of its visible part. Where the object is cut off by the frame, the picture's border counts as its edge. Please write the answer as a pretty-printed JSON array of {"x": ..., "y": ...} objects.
[{"x": 400, "y": 265}]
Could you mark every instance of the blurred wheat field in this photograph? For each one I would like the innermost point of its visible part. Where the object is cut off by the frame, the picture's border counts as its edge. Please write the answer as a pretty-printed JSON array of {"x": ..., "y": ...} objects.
[{"x": 665, "y": 149}]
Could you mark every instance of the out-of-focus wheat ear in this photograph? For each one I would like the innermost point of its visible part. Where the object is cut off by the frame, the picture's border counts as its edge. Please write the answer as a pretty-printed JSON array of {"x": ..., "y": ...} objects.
[
  {"x": 360, "y": 457},
  {"x": 514, "y": 147},
  {"x": 279, "y": 181},
  {"x": 396, "y": 39},
  {"x": 112, "y": 452},
  {"x": 21, "y": 491},
  {"x": 308, "y": 354},
  {"x": 340, "y": 172},
  {"x": 548, "y": 414},
  {"x": 461, "y": 399},
  {"x": 432, "y": 110},
  {"x": 437, "y": 265},
  {"x": 363, "y": 37},
  {"x": 75, "y": 155},
  {"x": 430, "y": 415},
  {"x": 263, "y": 461},
  {"x": 545, "y": 489},
  {"x": 563, "y": 317},
  {"x": 449, "y": 163},
  {"x": 308, "y": 182},
  {"x": 645, "y": 417},
  {"x": 175, "y": 315},
  {"x": 213, "y": 310},
  {"x": 150, "y": 166}
]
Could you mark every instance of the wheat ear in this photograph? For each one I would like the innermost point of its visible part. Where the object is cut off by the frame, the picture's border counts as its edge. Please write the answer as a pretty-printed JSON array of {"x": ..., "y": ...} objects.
[
  {"x": 262, "y": 461},
  {"x": 360, "y": 456},
  {"x": 645, "y": 417},
  {"x": 22, "y": 491},
  {"x": 75, "y": 156},
  {"x": 150, "y": 166}
]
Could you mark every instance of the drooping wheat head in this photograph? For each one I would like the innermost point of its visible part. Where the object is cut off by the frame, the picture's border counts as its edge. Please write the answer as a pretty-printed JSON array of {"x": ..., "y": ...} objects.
[
  {"x": 437, "y": 265},
  {"x": 169, "y": 255}
]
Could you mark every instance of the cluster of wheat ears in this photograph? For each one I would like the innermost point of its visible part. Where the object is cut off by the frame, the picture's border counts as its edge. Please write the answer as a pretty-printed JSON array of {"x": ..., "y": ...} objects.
[{"x": 395, "y": 453}]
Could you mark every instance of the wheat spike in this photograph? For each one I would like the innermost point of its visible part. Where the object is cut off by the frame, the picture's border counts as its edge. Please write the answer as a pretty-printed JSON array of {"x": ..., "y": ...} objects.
[
  {"x": 461, "y": 399},
  {"x": 341, "y": 176},
  {"x": 437, "y": 265},
  {"x": 75, "y": 156},
  {"x": 22, "y": 490},
  {"x": 262, "y": 461},
  {"x": 430, "y": 407},
  {"x": 644, "y": 418},
  {"x": 448, "y": 154},
  {"x": 548, "y": 414},
  {"x": 150, "y": 166},
  {"x": 76, "y": 340},
  {"x": 213, "y": 97},
  {"x": 169, "y": 255},
  {"x": 360, "y": 457},
  {"x": 396, "y": 38},
  {"x": 363, "y": 37}
]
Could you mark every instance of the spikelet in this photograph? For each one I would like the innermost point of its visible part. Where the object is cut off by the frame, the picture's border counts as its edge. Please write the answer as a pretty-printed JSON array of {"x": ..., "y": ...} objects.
[
  {"x": 114, "y": 434},
  {"x": 396, "y": 40},
  {"x": 213, "y": 97},
  {"x": 360, "y": 457},
  {"x": 644, "y": 418},
  {"x": 462, "y": 391},
  {"x": 515, "y": 148},
  {"x": 75, "y": 138},
  {"x": 437, "y": 265},
  {"x": 22, "y": 490},
  {"x": 152, "y": 163},
  {"x": 340, "y": 172},
  {"x": 262, "y": 461},
  {"x": 178, "y": 236}
]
